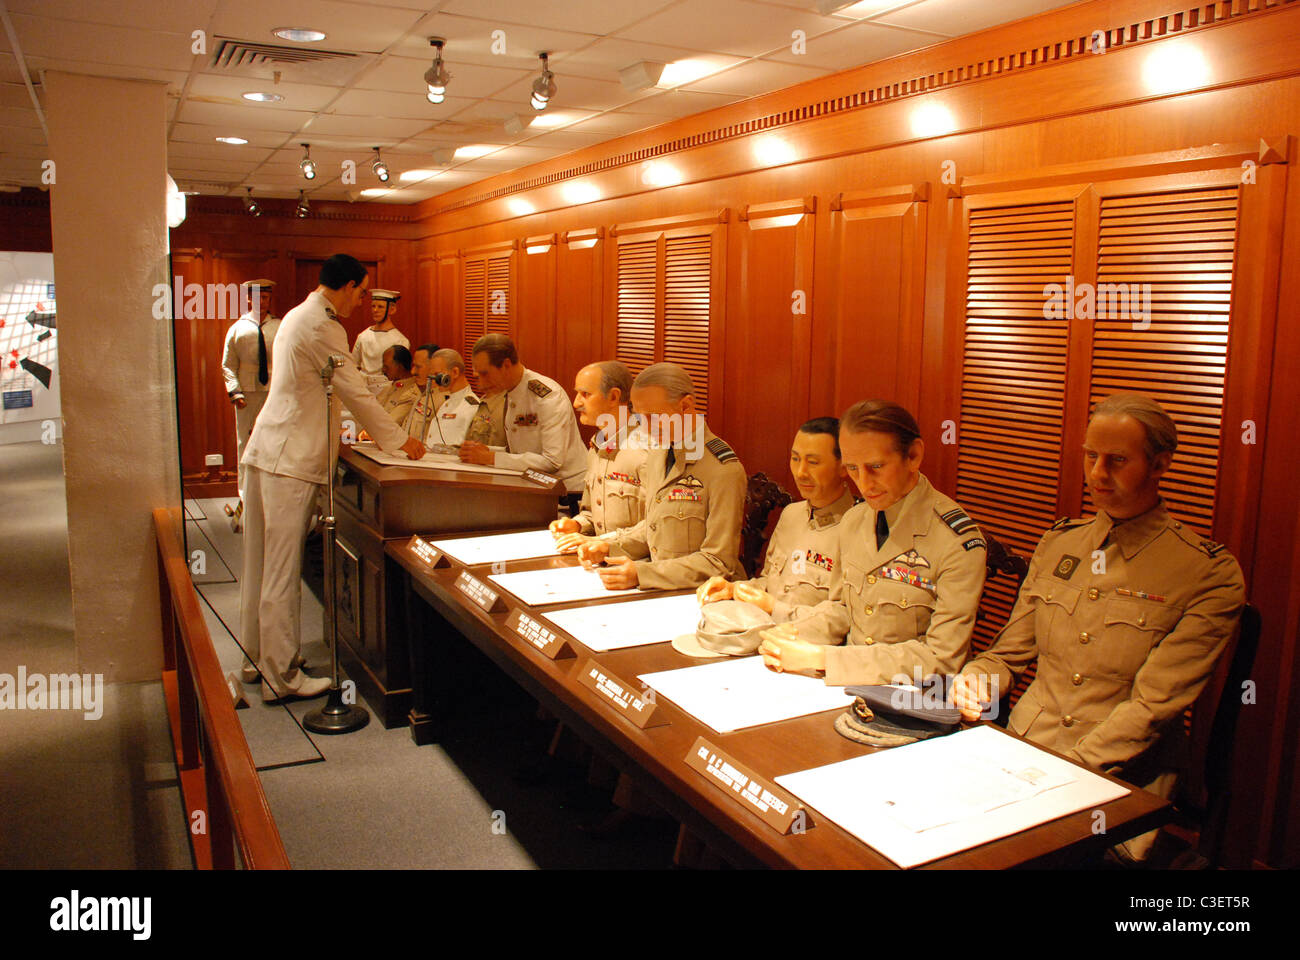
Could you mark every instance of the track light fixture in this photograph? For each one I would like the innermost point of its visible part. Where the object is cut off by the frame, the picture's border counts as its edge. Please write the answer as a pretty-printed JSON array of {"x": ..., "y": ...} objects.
[
  {"x": 307, "y": 164},
  {"x": 251, "y": 205},
  {"x": 436, "y": 77},
  {"x": 380, "y": 168},
  {"x": 543, "y": 86},
  {"x": 302, "y": 209}
]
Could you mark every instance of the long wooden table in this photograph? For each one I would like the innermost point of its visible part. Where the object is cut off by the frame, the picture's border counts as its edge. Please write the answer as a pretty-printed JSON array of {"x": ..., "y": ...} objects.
[
  {"x": 375, "y": 503},
  {"x": 655, "y": 757}
]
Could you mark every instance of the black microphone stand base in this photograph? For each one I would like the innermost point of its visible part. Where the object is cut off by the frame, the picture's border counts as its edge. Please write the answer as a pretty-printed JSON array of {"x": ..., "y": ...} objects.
[{"x": 336, "y": 716}]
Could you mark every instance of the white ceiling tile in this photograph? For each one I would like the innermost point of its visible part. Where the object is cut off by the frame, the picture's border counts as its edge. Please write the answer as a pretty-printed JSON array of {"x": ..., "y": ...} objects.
[
  {"x": 567, "y": 140},
  {"x": 394, "y": 106},
  {"x": 204, "y": 133},
  {"x": 584, "y": 16},
  {"x": 617, "y": 123},
  {"x": 348, "y": 26},
  {"x": 297, "y": 96},
  {"x": 9, "y": 72},
  {"x": 955, "y": 18},
  {"x": 738, "y": 27},
  {"x": 406, "y": 75},
  {"x": 243, "y": 118},
  {"x": 143, "y": 14},
  {"x": 83, "y": 43},
  {"x": 182, "y": 150},
  {"x": 379, "y": 131},
  {"x": 856, "y": 44},
  {"x": 605, "y": 58},
  {"x": 470, "y": 40},
  {"x": 681, "y": 103},
  {"x": 756, "y": 77},
  {"x": 576, "y": 93}
]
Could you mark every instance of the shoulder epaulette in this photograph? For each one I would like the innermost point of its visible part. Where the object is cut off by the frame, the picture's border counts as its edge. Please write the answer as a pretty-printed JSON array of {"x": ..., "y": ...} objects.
[
  {"x": 539, "y": 388},
  {"x": 1067, "y": 522},
  {"x": 472, "y": 400},
  {"x": 718, "y": 447},
  {"x": 958, "y": 521},
  {"x": 1211, "y": 548}
]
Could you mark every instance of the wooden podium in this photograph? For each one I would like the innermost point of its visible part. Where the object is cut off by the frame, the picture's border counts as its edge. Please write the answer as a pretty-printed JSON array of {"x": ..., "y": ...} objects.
[{"x": 375, "y": 503}]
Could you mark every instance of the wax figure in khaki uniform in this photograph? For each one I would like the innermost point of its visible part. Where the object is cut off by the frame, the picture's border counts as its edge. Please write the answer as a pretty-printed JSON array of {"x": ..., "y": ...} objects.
[
  {"x": 613, "y": 497},
  {"x": 1126, "y": 612},
  {"x": 368, "y": 351},
  {"x": 802, "y": 565},
  {"x": 454, "y": 412},
  {"x": 540, "y": 432},
  {"x": 430, "y": 396},
  {"x": 695, "y": 496},
  {"x": 288, "y": 459},
  {"x": 400, "y": 395},
  {"x": 246, "y": 364},
  {"x": 914, "y": 566}
]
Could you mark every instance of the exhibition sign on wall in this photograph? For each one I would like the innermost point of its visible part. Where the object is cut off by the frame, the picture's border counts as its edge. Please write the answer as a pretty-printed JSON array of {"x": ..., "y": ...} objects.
[{"x": 29, "y": 359}]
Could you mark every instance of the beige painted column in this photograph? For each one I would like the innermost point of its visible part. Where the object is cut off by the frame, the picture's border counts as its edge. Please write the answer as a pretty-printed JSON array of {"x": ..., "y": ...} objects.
[{"x": 108, "y": 141}]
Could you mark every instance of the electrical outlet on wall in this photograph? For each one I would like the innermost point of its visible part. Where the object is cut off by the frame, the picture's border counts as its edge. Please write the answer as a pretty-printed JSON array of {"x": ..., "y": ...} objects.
[{"x": 213, "y": 460}]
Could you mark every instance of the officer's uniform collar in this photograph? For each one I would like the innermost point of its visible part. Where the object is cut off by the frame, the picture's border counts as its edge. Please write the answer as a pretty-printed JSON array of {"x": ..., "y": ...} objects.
[
  {"x": 1133, "y": 534},
  {"x": 689, "y": 455},
  {"x": 324, "y": 303},
  {"x": 907, "y": 518},
  {"x": 523, "y": 381},
  {"x": 821, "y": 517}
]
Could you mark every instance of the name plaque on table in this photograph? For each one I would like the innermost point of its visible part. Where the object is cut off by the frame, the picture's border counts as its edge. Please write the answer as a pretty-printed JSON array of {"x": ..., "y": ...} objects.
[
  {"x": 477, "y": 591},
  {"x": 777, "y": 808},
  {"x": 426, "y": 552},
  {"x": 630, "y": 702},
  {"x": 545, "y": 479},
  {"x": 546, "y": 640}
]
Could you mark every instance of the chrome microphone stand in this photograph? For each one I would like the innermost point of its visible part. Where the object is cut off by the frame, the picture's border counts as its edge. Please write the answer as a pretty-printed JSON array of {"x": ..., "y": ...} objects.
[{"x": 336, "y": 716}]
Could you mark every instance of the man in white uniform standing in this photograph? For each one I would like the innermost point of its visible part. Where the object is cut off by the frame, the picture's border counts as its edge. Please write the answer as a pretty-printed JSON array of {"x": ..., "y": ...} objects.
[
  {"x": 288, "y": 458},
  {"x": 368, "y": 351},
  {"x": 246, "y": 364}
]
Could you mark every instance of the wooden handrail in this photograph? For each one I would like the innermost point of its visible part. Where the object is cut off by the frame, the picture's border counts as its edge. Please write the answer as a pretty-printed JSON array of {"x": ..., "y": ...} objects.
[{"x": 216, "y": 768}]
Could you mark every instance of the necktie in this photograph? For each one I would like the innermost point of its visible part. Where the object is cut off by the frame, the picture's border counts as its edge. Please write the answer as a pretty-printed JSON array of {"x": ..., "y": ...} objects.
[
  {"x": 262, "y": 374},
  {"x": 672, "y": 459},
  {"x": 882, "y": 529}
]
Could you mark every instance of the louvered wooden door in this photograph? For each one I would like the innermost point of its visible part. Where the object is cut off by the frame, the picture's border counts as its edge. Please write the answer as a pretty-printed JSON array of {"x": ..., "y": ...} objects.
[
  {"x": 487, "y": 299},
  {"x": 667, "y": 300}
]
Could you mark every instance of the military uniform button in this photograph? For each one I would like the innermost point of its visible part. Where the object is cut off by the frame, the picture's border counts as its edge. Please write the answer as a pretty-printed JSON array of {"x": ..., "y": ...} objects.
[
  {"x": 871, "y": 578},
  {"x": 903, "y": 602},
  {"x": 1093, "y": 593},
  {"x": 1067, "y": 721},
  {"x": 869, "y": 610},
  {"x": 1084, "y": 638},
  {"x": 598, "y": 502},
  {"x": 1077, "y": 679},
  {"x": 653, "y": 526},
  {"x": 869, "y": 641},
  {"x": 1142, "y": 619},
  {"x": 1177, "y": 525}
]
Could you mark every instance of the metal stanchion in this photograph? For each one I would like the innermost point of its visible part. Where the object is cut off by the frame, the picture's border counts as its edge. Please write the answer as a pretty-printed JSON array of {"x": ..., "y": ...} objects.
[{"x": 336, "y": 716}]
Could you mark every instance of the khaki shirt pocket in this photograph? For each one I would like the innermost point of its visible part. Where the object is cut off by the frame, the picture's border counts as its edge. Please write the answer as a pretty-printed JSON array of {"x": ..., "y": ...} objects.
[
  {"x": 1054, "y": 601},
  {"x": 623, "y": 504},
  {"x": 1133, "y": 628},
  {"x": 681, "y": 528},
  {"x": 904, "y": 610}
]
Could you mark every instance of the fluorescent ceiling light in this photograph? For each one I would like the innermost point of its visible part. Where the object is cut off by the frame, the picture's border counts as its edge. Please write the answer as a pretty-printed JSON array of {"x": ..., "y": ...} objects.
[
  {"x": 684, "y": 71},
  {"x": 406, "y": 176},
  {"x": 549, "y": 121},
  {"x": 299, "y": 34},
  {"x": 237, "y": 141},
  {"x": 854, "y": 11},
  {"x": 258, "y": 97},
  {"x": 375, "y": 192},
  {"x": 472, "y": 150}
]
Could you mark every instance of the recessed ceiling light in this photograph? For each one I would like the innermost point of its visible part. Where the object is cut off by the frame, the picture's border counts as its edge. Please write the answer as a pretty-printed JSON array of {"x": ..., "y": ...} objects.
[
  {"x": 299, "y": 34},
  {"x": 472, "y": 150},
  {"x": 408, "y": 175},
  {"x": 237, "y": 141},
  {"x": 853, "y": 10},
  {"x": 258, "y": 97},
  {"x": 375, "y": 192},
  {"x": 552, "y": 120}
]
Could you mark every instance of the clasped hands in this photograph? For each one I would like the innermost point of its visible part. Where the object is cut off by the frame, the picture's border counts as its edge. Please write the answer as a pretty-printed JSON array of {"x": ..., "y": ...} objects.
[{"x": 618, "y": 574}]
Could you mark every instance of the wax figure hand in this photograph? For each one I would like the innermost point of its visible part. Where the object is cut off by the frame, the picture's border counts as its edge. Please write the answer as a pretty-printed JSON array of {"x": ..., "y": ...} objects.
[
  {"x": 713, "y": 590},
  {"x": 564, "y": 525},
  {"x": 970, "y": 695},
  {"x": 592, "y": 552},
  {"x": 239, "y": 401},
  {"x": 784, "y": 652},
  {"x": 413, "y": 449},
  {"x": 619, "y": 575},
  {"x": 570, "y": 542},
  {"x": 473, "y": 452},
  {"x": 747, "y": 593}
]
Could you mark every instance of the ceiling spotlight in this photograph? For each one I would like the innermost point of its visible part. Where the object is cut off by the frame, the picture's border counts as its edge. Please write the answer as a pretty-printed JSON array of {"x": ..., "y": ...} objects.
[
  {"x": 307, "y": 164},
  {"x": 543, "y": 86},
  {"x": 436, "y": 77},
  {"x": 641, "y": 75},
  {"x": 302, "y": 209},
  {"x": 251, "y": 205},
  {"x": 380, "y": 168}
]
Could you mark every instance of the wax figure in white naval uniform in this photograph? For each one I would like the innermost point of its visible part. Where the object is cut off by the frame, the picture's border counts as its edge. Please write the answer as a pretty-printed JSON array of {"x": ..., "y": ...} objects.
[
  {"x": 368, "y": 351},
  {"x": 246, "y": 364},
  {"x": 288, "y": 458}
]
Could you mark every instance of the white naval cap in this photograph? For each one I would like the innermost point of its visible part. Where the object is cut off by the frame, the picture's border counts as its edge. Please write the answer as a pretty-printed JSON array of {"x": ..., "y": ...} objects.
[
  {"x": 390, "y": 295},
  {"x": 262, "y": 283}
]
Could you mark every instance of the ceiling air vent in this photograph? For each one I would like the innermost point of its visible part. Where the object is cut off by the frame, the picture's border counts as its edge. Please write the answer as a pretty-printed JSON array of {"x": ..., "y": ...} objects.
[{"x": 295, "y": 63}]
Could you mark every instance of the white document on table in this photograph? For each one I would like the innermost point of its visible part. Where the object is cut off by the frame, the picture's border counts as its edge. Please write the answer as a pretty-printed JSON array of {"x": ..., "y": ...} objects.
[
  {"x": 937, "y": 797},
  {"x": 633, "y": 623},
  {"x": 560, "y": 585},
  {"x": 499, "y": 547},
  {"x": 431, "y": 461},
  {"x": 736, "y": 693}
]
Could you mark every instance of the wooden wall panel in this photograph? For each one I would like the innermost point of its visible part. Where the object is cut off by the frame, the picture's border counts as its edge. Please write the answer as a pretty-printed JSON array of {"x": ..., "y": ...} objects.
[
  {"x": 579, "y": 304},
  {"x": 535, "y": 322}
]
